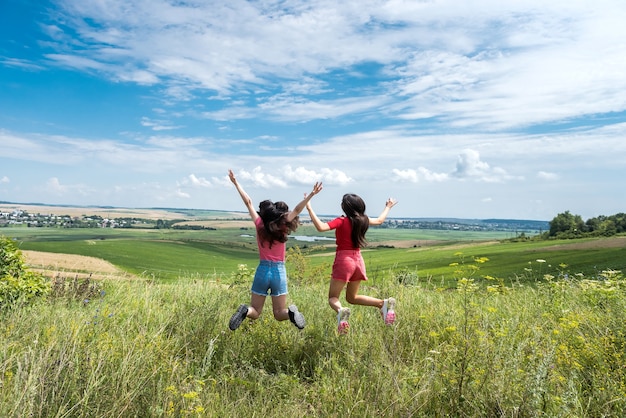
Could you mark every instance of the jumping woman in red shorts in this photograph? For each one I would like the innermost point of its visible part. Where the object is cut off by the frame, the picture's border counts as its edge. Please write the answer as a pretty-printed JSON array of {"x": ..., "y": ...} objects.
[{"x": 348, "y": 266}]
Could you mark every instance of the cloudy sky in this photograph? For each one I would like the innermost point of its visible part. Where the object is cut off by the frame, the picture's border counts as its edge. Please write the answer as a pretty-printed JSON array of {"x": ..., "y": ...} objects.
[{"x": 469, "y": 109}]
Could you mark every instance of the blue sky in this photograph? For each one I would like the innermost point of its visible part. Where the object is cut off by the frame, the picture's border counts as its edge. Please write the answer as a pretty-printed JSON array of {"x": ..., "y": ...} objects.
[{"x": 469, "y": 109}]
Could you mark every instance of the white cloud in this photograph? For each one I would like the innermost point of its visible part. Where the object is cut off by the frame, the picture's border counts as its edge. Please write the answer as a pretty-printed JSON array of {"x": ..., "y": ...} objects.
[
  {"x": 432, "y": 176},
  {"x": 470, "y": 166},
  {"x": 413, "y": 176},
  {"x": 53, "y": 184},
  {"x": 200, "y": 182},
  {"x": 261, "y": 179},
  {"x": 5, "y": 179},
  {"x": 328, "y": 176},
  {"x": 493, "y": 65},
  {"x": 181, "y": 194},
  {"x": 157, "y": 125},
  {"x": 405, "y": 175}
]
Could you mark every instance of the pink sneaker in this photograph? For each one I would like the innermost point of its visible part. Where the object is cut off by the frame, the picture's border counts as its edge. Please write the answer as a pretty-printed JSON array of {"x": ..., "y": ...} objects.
[
  {"x": 342, "y": 321},
  {"x": 388, "y": 311}
]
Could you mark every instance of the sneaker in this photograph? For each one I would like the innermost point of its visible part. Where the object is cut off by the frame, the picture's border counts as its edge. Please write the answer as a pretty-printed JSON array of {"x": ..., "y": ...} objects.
[
  {"x": 296, "y": 317},
  {"x": 388, "y": 311},
  {"x": 238, "y": 317},
  {"x": 342, "y": 320}
]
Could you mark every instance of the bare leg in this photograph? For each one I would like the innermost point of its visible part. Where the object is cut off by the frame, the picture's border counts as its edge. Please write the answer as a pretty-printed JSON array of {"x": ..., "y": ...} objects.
[
  {"x": 279, "y": 307},
  {"x": 244, "y": 311},
  {"x": 334, "y": 291},
  {"x": 353, "y": 297},
  {"x": 256, "y": 306}
]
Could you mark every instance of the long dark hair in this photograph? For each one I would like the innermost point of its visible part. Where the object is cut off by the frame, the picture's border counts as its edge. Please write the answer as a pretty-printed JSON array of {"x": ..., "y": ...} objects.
[
  {"x": 275, "y": 224},
  {"x": 354, "y": 208}
]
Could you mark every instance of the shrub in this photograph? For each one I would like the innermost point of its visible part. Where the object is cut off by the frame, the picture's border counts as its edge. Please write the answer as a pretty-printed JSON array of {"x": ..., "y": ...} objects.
[{"x": 17, "y": 283}]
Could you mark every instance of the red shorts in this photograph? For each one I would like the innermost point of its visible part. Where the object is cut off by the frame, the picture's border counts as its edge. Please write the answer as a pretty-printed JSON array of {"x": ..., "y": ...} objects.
[{"x": 349, "y": 266}]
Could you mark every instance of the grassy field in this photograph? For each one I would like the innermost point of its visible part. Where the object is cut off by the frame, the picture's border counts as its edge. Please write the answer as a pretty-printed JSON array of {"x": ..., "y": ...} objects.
[
  {"x": 425, "y": 254},
  {"x": 140, "y": 348},
  {"x": 472, "y": 339}
]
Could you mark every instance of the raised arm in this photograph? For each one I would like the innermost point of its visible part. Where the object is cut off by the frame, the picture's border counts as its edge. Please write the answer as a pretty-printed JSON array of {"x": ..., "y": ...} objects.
[
  {"x": 319, "y": 225},
  {"x": 296, "y": 211},
  {"x": 244, "y": 196},
  {"x": 381, "y": 218}
]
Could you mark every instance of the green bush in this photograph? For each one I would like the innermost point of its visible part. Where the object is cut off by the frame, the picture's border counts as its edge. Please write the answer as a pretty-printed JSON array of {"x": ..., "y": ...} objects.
[{"x": 17, "y": 283}]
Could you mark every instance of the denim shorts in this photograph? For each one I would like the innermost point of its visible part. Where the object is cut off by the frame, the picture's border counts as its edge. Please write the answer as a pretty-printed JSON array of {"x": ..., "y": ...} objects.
[{"x": 270, "y": 276}]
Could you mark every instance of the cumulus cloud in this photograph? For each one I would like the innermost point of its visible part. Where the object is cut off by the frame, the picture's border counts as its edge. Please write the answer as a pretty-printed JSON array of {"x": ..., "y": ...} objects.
[
  {"x": 470, "y": 166},
  {"x": 405, "y": 175},
  {"x": 328, "y": 176},
  {"x": 431, "y": 175},
  {"x": 53, "y": 184},
  {"x": 200, "y": 182},
  {"x": 261, "y": 179},
  {"x": 414, "y": 176},
  {"x": 5, "y": 179}
]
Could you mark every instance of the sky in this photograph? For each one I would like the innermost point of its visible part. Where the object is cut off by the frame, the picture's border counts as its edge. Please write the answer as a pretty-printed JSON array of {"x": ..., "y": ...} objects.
[{"x": 459, "y": 109}]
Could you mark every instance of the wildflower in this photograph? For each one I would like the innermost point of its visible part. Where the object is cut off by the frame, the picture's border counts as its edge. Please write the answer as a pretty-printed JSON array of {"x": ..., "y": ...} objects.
[{"x": 190, "y": 395}]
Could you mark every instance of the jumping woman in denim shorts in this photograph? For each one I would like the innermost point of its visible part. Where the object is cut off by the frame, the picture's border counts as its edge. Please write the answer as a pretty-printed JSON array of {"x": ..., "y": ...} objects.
[
  {"x": 348, "y": 267},
  {"x": 273, "y": 224}
]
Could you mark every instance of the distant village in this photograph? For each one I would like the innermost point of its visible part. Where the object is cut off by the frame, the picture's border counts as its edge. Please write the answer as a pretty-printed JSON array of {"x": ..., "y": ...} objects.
[{"x": 39, "y": 220}]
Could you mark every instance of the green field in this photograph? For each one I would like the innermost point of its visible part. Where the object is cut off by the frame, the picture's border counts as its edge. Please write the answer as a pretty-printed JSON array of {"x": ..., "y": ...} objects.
[
  {"x": 168, "y": 254},
  {"x": 140, "y": 348},
  {"x": 463, "y": 345}
]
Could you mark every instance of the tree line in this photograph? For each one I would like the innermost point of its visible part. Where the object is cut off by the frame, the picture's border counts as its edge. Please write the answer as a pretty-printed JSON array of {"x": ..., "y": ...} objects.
[{"x": 567, "y": 225}]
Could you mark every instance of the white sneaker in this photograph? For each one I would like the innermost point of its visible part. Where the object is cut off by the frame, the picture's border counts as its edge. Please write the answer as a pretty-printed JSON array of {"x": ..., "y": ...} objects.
[
  {"x": 388, "y": 311},
  {"x": 342, "y": 320}
]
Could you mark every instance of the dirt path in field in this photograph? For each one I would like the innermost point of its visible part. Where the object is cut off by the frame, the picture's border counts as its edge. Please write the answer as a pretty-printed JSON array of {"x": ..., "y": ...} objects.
[{"x": 72, "y": 266}]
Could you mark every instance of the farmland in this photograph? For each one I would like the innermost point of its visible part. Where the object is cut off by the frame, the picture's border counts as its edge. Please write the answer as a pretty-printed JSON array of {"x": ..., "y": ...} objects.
[
  {"x": 166, "y": 254},
  {"x": 136, "y": 325}
]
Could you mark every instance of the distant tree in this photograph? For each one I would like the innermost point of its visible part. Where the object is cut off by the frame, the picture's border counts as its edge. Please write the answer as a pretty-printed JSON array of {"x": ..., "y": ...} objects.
[
  {"x": 620, "y": 222},
  {"x": 566, "y": 224}
]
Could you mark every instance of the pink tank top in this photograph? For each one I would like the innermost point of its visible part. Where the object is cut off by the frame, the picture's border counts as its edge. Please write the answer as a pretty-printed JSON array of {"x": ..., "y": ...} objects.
[{"x": 276, "y": 253}]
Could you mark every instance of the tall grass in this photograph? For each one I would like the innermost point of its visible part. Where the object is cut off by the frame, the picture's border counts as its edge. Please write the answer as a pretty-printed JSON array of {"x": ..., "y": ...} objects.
[{"x": 146, "y": 349}]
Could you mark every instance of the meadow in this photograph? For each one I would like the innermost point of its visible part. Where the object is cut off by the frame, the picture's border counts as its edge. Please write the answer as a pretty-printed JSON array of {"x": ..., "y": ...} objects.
[
  {"x": 167, "y": 254},
  {"x": 485, "y": 328}
]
